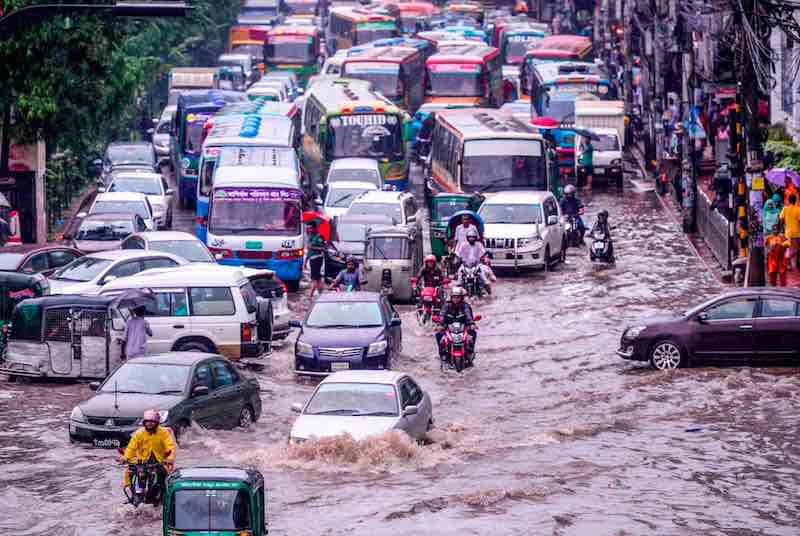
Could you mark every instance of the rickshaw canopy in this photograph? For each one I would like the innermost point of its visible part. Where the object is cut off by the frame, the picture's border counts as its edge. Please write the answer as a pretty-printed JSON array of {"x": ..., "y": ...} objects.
[{"x": 455, "y": 220}]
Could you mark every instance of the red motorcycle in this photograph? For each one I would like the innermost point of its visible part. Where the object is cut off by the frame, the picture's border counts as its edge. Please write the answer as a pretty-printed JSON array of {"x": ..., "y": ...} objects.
[
  {"x": 428, "y": 301},
  {"x": 456, "y": 341}
]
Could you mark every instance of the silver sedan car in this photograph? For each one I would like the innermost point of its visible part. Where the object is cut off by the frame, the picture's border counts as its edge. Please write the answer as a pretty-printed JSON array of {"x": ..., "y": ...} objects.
[{"x": 363, "y": 403}]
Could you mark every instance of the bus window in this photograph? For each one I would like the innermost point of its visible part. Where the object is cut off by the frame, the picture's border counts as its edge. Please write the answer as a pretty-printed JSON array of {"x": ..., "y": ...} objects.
[
  {"x": 503, "y": 163},
  {"x": 365, "y": 135}
]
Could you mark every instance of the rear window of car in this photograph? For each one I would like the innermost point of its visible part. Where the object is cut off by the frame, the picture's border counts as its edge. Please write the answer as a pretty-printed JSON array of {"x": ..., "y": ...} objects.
[
  {"x": 212, "y": 301},
  {"x": 130, "y": 154},
  {"x": 249, "y": 297}
]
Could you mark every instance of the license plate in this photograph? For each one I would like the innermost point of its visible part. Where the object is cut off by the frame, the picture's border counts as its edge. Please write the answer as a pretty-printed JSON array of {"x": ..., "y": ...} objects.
[
  {"x": 252, "y": 244},
  {"x": 340, "y": 366},
  {"x": 108, "y": 443},
  {"x": 598, "y": 246},
  {"x": 600, "y": 171}
]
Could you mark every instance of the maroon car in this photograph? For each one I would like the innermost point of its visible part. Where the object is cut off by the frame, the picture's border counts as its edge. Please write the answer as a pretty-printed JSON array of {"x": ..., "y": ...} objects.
[
  {"x": 756, "y": 326},
  {"x": 34, "y": 259}
]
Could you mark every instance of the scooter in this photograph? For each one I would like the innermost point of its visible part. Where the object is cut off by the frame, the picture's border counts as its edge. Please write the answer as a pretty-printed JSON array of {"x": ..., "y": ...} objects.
[
  {"x": 471, "y": 280},
  {"x": 602, "y": 248},
  {"x": 457, "y": 344},
  {"x": 147, "y": 482}
]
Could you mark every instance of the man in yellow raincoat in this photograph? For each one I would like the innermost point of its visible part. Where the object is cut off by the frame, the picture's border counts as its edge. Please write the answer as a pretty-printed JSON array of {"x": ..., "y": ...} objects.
[{"x": 150, "y": 441}]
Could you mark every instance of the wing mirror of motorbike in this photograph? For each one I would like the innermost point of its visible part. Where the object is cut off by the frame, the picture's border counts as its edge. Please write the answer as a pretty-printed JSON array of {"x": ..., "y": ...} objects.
[
  {"x": 702, "y": 317},
  {"x": 396, "y": 323},
  {"x": 297, "y": 407},
  {"x": 410, "y": 410},
  {"x": 477, "y": 318},
  {"x": 295, "y": 324},
  {"x": 200, "y": 390},
  {"x": 552, "y": 220},
  {"x": 94, "y": 386}
]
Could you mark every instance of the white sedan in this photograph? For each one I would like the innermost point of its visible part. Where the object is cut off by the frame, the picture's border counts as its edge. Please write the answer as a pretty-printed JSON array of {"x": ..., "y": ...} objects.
[
  {"x": 153, "y": 185},
  {"x": 363, "y": 403}
]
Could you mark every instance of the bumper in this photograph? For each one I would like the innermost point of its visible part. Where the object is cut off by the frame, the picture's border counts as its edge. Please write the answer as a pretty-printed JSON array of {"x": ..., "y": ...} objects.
[
  {"x": 633, "y": 350},
  {"x": 286, "y": 270},
  {"x": 280, "y": 326},
  {"x": 313, "y": 366},
  {"x": 252, "y": 349},
  {"x": 20, "y": 369},
  {"x": 517, "y": 259},
  {"x": 100, "y": 436}
]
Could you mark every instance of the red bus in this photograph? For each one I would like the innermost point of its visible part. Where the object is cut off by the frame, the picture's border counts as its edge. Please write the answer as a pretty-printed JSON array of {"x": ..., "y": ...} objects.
[
  {"x": 465, "y": 74},
  {"x": 561, "y": 48}
]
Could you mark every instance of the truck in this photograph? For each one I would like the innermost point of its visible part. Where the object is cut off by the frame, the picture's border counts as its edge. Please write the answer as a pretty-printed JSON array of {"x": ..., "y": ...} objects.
[
  {"x": 183, "y": 78},
  {"x": 606, "y": 122}
]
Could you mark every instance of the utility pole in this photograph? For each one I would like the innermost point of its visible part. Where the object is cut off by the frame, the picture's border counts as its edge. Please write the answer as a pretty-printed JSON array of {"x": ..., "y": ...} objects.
[
  {"x": 627, "y": 79},
  {"x": 688, "y": 168}
]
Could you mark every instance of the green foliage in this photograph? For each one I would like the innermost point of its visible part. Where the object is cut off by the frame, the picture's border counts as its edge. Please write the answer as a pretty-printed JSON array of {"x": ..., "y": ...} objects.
[
  {"x": 778, "y": 132},
  {"x": 787, "y": 153}
]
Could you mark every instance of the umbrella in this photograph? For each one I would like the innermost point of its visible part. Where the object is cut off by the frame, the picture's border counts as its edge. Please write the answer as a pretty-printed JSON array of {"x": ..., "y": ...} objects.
[
  {"x": 131, "y": 299},
  {"x": 322, "y": 221},
  {"x": 586, "y": 133},
  {"x": 455, "y": 219},
  {"x": 544, "y": 122},
  {"x": 778, "y": 176}
]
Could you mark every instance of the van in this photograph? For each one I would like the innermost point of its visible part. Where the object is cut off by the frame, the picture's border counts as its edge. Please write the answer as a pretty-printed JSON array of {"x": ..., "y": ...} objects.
[{"x": 201, "y": 308}]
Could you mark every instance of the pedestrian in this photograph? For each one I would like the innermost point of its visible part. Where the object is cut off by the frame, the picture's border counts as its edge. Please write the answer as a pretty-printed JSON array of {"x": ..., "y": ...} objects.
[
  {"x": 790, "y": 216},
  {"x": 771, "y": 216},
  {"x": 777, "y": 245},
  {"x": 586, "y": 162},
  {"x": 316, "y": 249},
  {"x": 134, "y": 338},
  {"x": 788, "y": 189}
]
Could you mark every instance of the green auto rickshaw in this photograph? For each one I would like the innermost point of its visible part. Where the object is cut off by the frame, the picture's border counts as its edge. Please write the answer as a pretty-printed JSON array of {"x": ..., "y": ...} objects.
[
  {"x": 15, "y": 287},
  {"x": 443, "y": 206},
  {"x": 215, "y": 501}
]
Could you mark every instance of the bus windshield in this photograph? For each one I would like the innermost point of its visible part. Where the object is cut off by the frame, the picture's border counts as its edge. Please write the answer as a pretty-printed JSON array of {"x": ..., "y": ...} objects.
[
  {"x": 385, "y": 77},
  {"x": 517, "y": 46},
  {"x": 193, "y": 141},
  {"x": 451, "y": 80},
  {"x": 409, "y": 22},
  {"x": 290, "y": 49},
  {"x": 254, "y": 50},
  {"x": 372, "y": 31},
  {"x": 365, "y": 135},
  {"x": 255, "y": 211},
  {"x": 497, "y": 164}
]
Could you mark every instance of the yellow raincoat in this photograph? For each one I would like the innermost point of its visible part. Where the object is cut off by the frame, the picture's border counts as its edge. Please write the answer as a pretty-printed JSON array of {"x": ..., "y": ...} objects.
[{"x": 144, "y": 443}]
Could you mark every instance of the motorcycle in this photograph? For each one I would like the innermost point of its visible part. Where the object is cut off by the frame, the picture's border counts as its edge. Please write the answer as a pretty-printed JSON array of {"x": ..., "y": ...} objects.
[
  {"x": 428, "y": 301},
  {"x": 456, "y": 341},
  {"x": 452, "y": 263},
  {"x": 573, "y": 232},
  {"x": 602, "y": 250},
  {"x": 147, "y": 482},
  {"x": 471, "y": 280}
]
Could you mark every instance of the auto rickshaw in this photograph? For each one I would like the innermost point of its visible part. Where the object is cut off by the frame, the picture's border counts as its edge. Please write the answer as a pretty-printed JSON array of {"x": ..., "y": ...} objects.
[
  {"x": 65, "y": 336},
  {"x": 392, "y": 256},
  {"x": 15, "y": 287},
  {"x": 443, "y": 206},
  {"x": 215, "y": 501}
]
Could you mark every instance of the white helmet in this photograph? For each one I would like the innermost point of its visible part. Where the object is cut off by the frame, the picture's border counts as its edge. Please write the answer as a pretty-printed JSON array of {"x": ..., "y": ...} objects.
[
  {"x": 569, "y": 189},
  {"x": 458, "y": 291}
]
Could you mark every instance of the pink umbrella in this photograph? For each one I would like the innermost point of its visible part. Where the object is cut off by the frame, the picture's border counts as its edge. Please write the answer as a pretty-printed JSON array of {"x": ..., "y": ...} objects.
[{"x": 778, "y": 176}]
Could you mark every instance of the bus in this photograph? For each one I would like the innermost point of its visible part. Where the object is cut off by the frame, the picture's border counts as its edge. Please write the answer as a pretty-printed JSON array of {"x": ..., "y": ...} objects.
[
  {"x": 395, "y": 72},
  {"x": 468, "y": 10},
  {"x": 425, "y": 47},
  {"x": 440, "y": 39},
  {"x": 515, "y": 39},
  {"x": 465, "y": 74},
  {"x": 553, "y": 93},
  {"x": 305, "y": 8},
  {"x": 237, "y": 131},
  {"x": 561, "y": 48},
  {"x": 533, "y": 74},
  {"x": 249, "y": 39},
  {"x": 260, "y": 107},
  {"x": 264, "y": 12},
  {"x": 348, "y": 26},
  {"x": 347, "y": 118},
  {"x": 497, "y": 27},
  {"x": 413, "y": 17},
  {"x": 467, "y": 32},
  {"x": 294, "y": 48},
  {"x": 483, "y": 150},
  {"x": 188, "y": 78},
  {"x": 193, "y": 109},
  {"x": 255, "y": 211}
]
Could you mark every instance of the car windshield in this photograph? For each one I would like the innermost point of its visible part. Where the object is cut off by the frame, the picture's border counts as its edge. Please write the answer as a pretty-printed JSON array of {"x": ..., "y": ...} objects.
[
  {"x": 392, "y": 210},
  {"x": 82, "y": 269},
  {"x": 442, "y": 210},
  {"x": 353, "y": 399},
  {"x": 136, "y": 207},
  {"x": 607, "y": 142},
  {"x": 193, "y": 140},
  {"x": 255, "y": 211},
  {"x": 256, "y": 51},
  {"x": 191, "y": 250},
  {"x": 449, "y": 80},
  {"x": 352, "y": 232},
  {"x": 342, "y": 197},
  {"x": 147, "y": 378},
  {"x": 497, "y": 164},
  {"x": 10, "y": 261},
  {"x": 290, "y": 49},
  {"x": 520, "y": 214},
  {"x": 388, "y": 247},
  {"x": 147, "y": 186},
  {"x": 385, "y": 77},
  {"x": 355, "y": 175},
  {"x": 346, "y": 314},
  {"x": 207, "y": 510},
  {"x": 104, "y": 229},
  {"x": 131, "y": 154},
  {"x": 365, "y": 135}
]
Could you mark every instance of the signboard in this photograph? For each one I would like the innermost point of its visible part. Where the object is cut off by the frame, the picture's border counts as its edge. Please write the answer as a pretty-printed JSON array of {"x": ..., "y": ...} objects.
[
  {"x": 278, "y": 39},
  {"x": 363, "y": 120},
  {"x": 256, "y": 195},
  {"x": 455, "y": 67},
  {"x": 524, "y": 38}
]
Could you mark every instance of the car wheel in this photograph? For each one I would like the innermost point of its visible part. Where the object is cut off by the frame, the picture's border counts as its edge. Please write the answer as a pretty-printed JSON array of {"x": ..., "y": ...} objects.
[
  {"x": 666, "y": 355},
  {"x": 194, "y": 346},
  {"x": 246, "y": 417}
]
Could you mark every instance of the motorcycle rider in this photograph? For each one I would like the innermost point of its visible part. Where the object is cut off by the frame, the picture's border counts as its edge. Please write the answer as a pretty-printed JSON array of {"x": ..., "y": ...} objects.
[
  {"x": 351, "y": 277},
  {"x": 471, "y": 250},
  {"x": 572, "y": 206},
  {"x": 602, "y": 226},
  {"x": 430, "y": 275},
  {"x": 486, "y": 272},
  {"x": 464, "y": 229},
  {"x": 456, "y": 310},
  {"x": 152, "y": 442}
]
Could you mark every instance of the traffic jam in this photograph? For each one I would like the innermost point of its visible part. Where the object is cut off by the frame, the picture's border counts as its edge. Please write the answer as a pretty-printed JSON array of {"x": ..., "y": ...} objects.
[{"x": 361, "y": 279}]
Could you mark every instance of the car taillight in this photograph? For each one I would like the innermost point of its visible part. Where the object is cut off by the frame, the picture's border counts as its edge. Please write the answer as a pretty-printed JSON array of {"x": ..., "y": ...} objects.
[
  {"x": 248, "y": 333},
  {"x": 223, "y": 252},
  {"x": 200, "y": 220},
  {"x": 290, "y": 253}
]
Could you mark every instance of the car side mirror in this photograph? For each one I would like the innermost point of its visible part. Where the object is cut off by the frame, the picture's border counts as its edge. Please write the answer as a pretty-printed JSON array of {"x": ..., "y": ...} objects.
[
  {"x": 297, "y": 407},
  {"x": 109, "y": 279},
  {"x": 703, "y": 317},
  {"x": 552, "y": 220},
  {"x": 94, "y": 386},
  {"x": 295, "y": 324},
  {"x": 170, "y": 191},
  {"x": 410, "y": 410},
  {"x": 101, "y": 189},
  {"x": 318, "y": 201},
  {"x": 396, "y": 322},
  {"x": 81, "y": 214},
  {"x": 200, "y": 390}
]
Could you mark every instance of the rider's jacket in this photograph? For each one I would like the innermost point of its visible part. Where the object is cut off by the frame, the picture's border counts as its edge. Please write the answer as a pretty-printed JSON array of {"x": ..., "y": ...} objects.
[
  {"x": 571, "y": 206},
  {"x": 456, "y": 313},
  {"x": 430, "y": 278},
  {"x": 143, "y": 444}
]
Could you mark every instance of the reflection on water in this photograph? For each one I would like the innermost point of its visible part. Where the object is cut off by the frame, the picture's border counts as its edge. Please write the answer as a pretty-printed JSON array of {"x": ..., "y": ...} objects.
[{"x": 550, "y": 433}]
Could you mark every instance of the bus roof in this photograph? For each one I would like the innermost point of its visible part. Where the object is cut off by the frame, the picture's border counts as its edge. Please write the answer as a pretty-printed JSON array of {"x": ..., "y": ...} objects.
[
  {"x": 560, "y": 44},
  {"x": 553, "y": 70},
  {"x": 391, "y": 54},
  {"x": 248, "y": 33},
  {"x": 233, "y": 130},
  {"x": 472, "y": 53},
  {"x": 208, "y": 98},
  {"x": 345, "y": 95},
  {"x": 283, "y": 157},
  {"x": 260, "y": 107},
  {"x": 486, "y": 123},
  {"x": 359, "y": 15},
  {"x": 255, "y": 177},
  {"x": 311, "y": 31},
  {"x": 415, "y": 7}
]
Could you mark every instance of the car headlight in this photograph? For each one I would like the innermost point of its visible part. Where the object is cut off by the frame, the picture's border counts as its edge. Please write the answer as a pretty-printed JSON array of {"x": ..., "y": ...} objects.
[
  {"x": 376, "y": 348},
  {"x": 616, "y": 162},
  {"x": 77, "y": 415},
  {"x": 164, "y": 416},
  {"x": 633, "y": 332},
  {"x": 303, "y": 348},
  {"x": 531, "y": 242}
]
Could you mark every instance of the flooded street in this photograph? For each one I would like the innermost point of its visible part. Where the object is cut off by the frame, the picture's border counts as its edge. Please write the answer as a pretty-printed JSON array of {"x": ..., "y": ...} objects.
[{"x": 550, "y": 433}]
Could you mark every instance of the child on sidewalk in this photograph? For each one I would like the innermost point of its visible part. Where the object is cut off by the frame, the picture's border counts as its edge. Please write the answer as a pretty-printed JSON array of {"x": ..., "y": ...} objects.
[{"x": 777, "y": 246}]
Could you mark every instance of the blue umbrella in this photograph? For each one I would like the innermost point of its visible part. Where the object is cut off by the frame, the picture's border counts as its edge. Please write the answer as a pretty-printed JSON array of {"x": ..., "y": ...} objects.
[{"x": 455, "y": 220}]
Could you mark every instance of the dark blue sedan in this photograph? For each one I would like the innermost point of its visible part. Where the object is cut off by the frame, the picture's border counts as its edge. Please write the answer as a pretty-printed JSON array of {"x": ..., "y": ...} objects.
[{"x": 347, "y": 331}]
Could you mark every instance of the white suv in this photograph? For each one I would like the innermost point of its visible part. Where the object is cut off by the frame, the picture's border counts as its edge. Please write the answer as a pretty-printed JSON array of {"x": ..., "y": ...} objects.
[
  {"x": 399, "y": 205},
  {"x": 523, "y": 229}
]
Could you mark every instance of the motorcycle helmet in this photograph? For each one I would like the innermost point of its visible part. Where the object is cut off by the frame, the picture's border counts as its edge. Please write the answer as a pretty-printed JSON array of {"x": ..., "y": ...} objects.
[
  {"x": 472, "y": 235},
  {"x": 602, "y": 216},
  {"x": 151, "y": 416},
  {"x": 569, "y": 189},
  {"x": 457, "y": 291},
  {"x": 431, "y": 259}
]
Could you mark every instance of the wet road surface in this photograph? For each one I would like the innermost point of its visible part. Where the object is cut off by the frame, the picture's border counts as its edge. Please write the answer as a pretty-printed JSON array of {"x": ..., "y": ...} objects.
[{"x": 550, "y": 433}]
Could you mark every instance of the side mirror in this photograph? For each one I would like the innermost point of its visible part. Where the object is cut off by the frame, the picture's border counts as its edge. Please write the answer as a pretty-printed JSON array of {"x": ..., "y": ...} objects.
[
  {"x": 318, "y": 201},
  {"x": 94, "y": 386},
  {"x": 319, "y": 187},
  {"x": 396, "y": 322},
  {"x": 97, "y": 163},
  {"x": 477, "y": 318},
  {"x": 200, "y": 390},
  {"x": 297, "y": 407},
  {"x": 218, "y": 256},
  {"x": 150, "y": 131},
  {"x": 410, "y": 410},
  {"x": 702, "y": 317},
  {"x": 101, "y": 189},
  {"x": 295, "y": 324},
  {"x": 552, "y": 220},
  {"x": 81, "y": 214},
  {"x": 170, "y": 191},
  {"x": 109, "y": 279}
]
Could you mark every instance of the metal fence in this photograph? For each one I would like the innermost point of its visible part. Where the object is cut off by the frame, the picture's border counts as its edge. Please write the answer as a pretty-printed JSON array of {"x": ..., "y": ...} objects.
[{"x": 713, "y": 227}]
